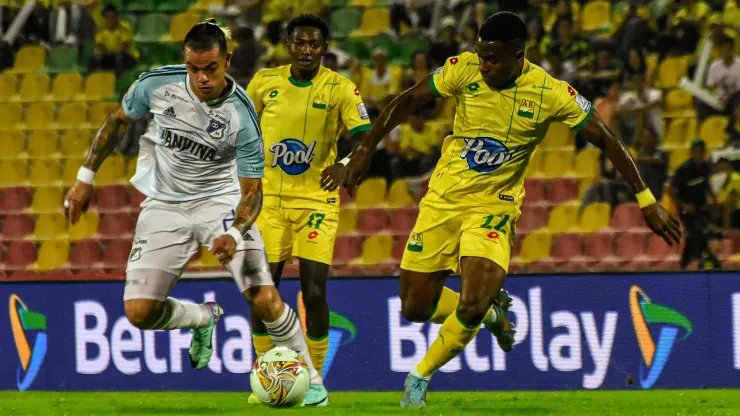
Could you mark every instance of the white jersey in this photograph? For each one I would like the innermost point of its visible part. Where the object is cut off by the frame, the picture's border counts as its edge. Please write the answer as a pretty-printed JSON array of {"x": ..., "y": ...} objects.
[{"x": 192, "y": 150}]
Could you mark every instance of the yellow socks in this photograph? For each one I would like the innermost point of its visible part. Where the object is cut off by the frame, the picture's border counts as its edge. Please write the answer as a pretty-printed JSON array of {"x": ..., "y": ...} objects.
[
  {"x": 453, "y": 337},
  {"x": 317, "y": 349},
  {"x": 262, "y": 343},
  {"x": 448, "y": 304}
]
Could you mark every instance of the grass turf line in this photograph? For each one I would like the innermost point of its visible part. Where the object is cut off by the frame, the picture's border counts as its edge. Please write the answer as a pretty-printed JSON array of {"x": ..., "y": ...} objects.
[{"x": 654, "y": 402}]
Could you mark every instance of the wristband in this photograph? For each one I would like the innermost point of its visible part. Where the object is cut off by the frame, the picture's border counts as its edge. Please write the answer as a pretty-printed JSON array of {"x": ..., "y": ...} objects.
[
  {"x": 86, "y": 175},
  {"x": 236, "y": 234},
  {"x": 645, "y": 198},
  {"x": 344, "y": 161}
]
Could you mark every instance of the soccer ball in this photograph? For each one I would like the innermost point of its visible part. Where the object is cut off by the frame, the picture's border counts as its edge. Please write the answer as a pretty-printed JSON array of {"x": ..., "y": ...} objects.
[{"x": 280, "y": 378}]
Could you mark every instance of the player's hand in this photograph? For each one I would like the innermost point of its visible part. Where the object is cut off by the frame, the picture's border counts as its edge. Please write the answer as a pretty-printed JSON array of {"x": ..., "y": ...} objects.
[
  {"x": 77, "y": 200},
  {"x": 332, "y": 177},
  {"x": 355, "y": 169},
  {"x": 662, "y": 223},
  {"x": 224, "y": 248}
]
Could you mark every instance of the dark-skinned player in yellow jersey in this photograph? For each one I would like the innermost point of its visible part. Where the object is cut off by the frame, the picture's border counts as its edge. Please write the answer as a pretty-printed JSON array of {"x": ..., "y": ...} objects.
[{"x": 504, "y": 107}]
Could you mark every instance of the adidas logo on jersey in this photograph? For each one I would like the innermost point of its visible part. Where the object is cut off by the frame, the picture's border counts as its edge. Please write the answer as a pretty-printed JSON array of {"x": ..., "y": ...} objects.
[{"x": 170, "y": 112}]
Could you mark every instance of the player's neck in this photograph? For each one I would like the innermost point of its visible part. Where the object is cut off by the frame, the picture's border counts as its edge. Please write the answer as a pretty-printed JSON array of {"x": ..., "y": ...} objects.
[{"x": 303, "y": 76}]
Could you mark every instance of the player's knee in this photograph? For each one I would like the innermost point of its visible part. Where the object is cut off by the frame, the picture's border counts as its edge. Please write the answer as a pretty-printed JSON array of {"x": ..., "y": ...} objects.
[
  {"x": 472, "y": 308},
  {"x": 265, "y": 301},
  {"x": 414, "y": 309},
  {"x": 142, "y": 313}
]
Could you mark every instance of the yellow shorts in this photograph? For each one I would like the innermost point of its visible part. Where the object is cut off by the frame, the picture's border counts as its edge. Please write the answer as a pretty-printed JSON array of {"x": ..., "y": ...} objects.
[
  {"x": 443, "y": 235},
  {"x": 304, "y": 233}
]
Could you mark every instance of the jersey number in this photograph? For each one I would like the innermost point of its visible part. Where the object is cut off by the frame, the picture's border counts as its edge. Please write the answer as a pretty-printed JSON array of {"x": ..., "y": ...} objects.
[
  {"x": 318, "y": 217},
  {"x": 498, "y": 227}
]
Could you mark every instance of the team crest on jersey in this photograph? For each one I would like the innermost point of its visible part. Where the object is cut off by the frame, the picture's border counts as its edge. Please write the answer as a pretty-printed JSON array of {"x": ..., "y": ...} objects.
[
  {"x": 416, "y": 242},
  {"x": 486, "y": 154},
  {"x": 216, "y": 129},
  {"x": 526, "y": 109},
  {"x": 319, "y": 101}
]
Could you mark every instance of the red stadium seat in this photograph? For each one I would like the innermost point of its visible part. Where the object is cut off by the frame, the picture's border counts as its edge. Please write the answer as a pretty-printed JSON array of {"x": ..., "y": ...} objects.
[
  {"x": 640, "y": 265},
  {"x": 16, "y": 227},
  {"x": 562, "y": 190},
  {"x": 630, "y": 245},
  {"x": 112, "y": 198},
  {"x": 533, "y": 217},
  {"x": 136, "y": 199},
  {"x": 347, "y": 270},
  {"x": 346, "y": 248},
  {"x": 14, "y": 199},
  {"x": 383, "y": 269},
  {"x": 541, "y": 267},
  {"x": 116, "y": 254},
  {"x": 20, "y": 254},
  {"x": 518, "y": 237},
  {"x": 344, "y": 197},
  {"x": 291, "y": 270},
  {"x": 116, "y": 225},
  {"x": 399, "y": 246},
  {"x": 658, "y": 250},
  {"x": 403, "y": 220},
  {"x": 84, "y": 254},
  {"x": 567, "y": 246},
  {"x": 372, "y": 220},
  {"x": 535, "y": 191},
  {"x": 599, "y": 244},
  {"x": 627, "y": 216},
  {"x": 515, "y": 268}
]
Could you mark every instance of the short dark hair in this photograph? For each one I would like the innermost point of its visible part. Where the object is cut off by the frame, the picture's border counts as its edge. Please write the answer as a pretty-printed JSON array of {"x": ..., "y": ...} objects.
[
  {"x": 726, "y": 40},
  {"x": 109, "y": 9},
  {"x": 504, "y": 27},
  {"x": 206, "y": 35},
  {"x": 309, "y": 20},
  {"x": 331, "y": 55}
]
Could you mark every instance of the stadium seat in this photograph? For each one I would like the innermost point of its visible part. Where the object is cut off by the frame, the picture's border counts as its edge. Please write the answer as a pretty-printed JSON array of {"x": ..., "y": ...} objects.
[
  {"x": 141, "y": 5},
  {"x": 63, "y": 58},
  {"x": 386, "y": 268},
  {"x": 562, "y": 190},
  {"x": 207, "y": 260},
  {"x": 533, "y": 218},
  {"x": 180, "y": 25},
  {"x": 670, "y": 72},
  {"x": 559, "y": 137},
  {"x": 85, "y": 254},
  {"x": 534, "y": 191},
  {"x": 386, "y": 43},
  {"x": 100, "y": 111},
  {"x": 16, "y": 227},
  {"x": 563, "y": 218},
  {"x": 201, "y": 6},
  {"x": 627, "y": 216},
  {"x": 14, "y": 172},
  {"x": 111, "y": 198},
  {"x": 713, "y": 132},
  {"x": 131, "y": 167},
  {"x": 409, "y": 46},
  {"x": 8, "y": 86},
  {"x": 630, "y": 245},
  {"x": 11, "y": 115},
  {"x": 15, "y": 199},
  {"x": 43, "y": 144},
  {"x": 679, "y": 103},
  {"x": 86, "y": 228},
  {"x": 535, "y": 247},
  {"x": 72, "y": 116},
  {"x": 399, "y": 246},
  {"x": 75, "y": 144},
  {"x": 399, "y": 195},
  {"x": 595, "y": 217},
  {"x": 344, "y": 196},
  {"x": 347, "y": 248},
  {"x": 344, "y": 21},
  {"x": 347, "y": 220},
  {"x": 376, "y": 249},
  {"x": 98, "y": 86},
  {"x": 44, "y": 172},
  {"x": 50, "y": 227},
  {"x": 403, "y": 220},
  {"x": 13, "y": 145},
  {"x": 39, "y": 116},
  {"x": 175, "y": 5},
  {"x": 596, "y": 16},
  {"x": 116, "y": 254},
  {"x": 587, "y": 163},
  {"x": 371, "y": 193},
  {"x": 69, "y": 171},
  {"x": 47, "y": 200},
  {"x": 566, "y": 247},
  {"x": 372, "y": 220},
  {"x": 373, "y": 22},
  {"x": 638, "y": 265},
  {"x": 20, "y": 254},
  {"x": 679, "y": 133},
  {"x": 558, "y": 163},
  {"x": 137, "y": 198},
  {"x": 65, "y": 87},
  {"x": 676, "y": 158},
  {"x": 112, "y": 171},
  {"x": 33, "y": 88},
  {"x": 152, "y": 27},
  {"x": 29, "y": 59},
  {"x": 658, "y": 250},
  {"x": 52, "y": 255},
  {"x": 116, "y": 225}
]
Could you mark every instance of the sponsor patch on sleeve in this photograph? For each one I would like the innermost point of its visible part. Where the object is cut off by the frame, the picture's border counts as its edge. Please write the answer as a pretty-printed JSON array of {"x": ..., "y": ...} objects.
[
  {"x": 438, "y": 70},
  {"x": 362, "y": 111},
  {"x": 583, "y": 103}
]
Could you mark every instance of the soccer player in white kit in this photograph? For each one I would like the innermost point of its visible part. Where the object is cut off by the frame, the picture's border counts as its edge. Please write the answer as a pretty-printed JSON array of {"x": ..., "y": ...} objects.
[{"x": 204, "y": 134}]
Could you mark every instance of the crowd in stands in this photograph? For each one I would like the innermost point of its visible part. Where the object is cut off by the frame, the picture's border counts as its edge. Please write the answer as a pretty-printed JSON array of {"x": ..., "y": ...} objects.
[{"x": 663, "y": 74}]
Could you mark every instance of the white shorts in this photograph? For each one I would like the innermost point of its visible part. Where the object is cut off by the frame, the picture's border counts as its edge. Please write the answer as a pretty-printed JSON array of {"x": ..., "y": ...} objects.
[{"x": 168, "y": 234}]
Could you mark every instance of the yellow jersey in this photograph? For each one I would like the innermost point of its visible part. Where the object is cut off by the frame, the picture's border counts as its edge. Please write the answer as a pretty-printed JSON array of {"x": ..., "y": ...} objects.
[
  {"x": 495, "y": 132},
  {"x": 301, "y": 123},
  {"x": 730, "y": 185}
]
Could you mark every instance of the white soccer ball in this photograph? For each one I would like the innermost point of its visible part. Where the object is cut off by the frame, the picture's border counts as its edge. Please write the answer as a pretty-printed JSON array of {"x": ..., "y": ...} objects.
[{"x": 280, "y": 378}]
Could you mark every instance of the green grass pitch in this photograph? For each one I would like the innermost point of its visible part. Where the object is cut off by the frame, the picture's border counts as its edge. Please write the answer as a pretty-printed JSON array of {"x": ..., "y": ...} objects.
[{"x": 655, "y": 402}]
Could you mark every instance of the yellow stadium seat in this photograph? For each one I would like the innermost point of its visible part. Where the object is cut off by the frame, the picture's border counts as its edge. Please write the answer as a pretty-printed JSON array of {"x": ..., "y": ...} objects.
[
  {"x": 679, "y": 133},
  {"x": 47, "y": 199},
  {"x": 75, "y": 143},
  {"x": 563, "y": 218},
  {"x": 180, "y": 25},
  {"x": 712, "y": 130},
  {"x": 69, "y": 172},
  {"x": 72, "y": 116},
  {"x": 38, "y": 116},
  {"x": 596, "y": 15},
  {"x": 347, "y": 220},
  {"x": 100, "y": 111},
  {"x": 66, "y": 87},
  {"x": 399, "y": 195},
  {"x": 207, "y": 260},
  {"x": 595, "y": 217},
  {"x": 535, "y": 247},
  {"x": 587, "y": 163},
  {"x": 583, "y": 185},
  {"x": 50, "y": 227},
  {"x": 651, "y": 62},
  {"x": 33, "y": 88},
  {"x": 14, "y": 172},
  {"x": 44, "y": 172},
  {"x": 202, "y": 6},
  {"x": 676, "y": 158},
  {"x": 112, "y": 171},
  {"x": 679, "y": 103},
  {"x": 10, "y": 116},
  {"x": 8, "y": 86},
  {"x": 376, "y": 248},
  {"x": 363, "y": 3},
  {"x": 30, "y": 58},
  {"x": 131, "y": 167},
  {"x": 534, "y": 169},
  {"x": 670, "y": 72},
  {"x": 98, "y": 86},
  {"x": 43, "y": 144},
  {"x": 13, "y": 145},
  {"x": 52, "y": 255},
  {"x": 371, "y": 193},
  {"x": 86, "y": 228},
  {"x": 558, "y": 163},
  {"x": 374, "y": 21},
  {"x": 559, "y": 135}
]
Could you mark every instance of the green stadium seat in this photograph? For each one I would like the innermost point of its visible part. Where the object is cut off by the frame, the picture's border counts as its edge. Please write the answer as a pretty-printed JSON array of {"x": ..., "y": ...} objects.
[
  {"x": 120, "y": 4},
  {"x": 125, "y": 80},
  {"x": 390, "y": 46},
  {"x": 152, "y": 27},
  {"x": 339, "y": 3},
  {"x": 141, "y": 5},
  {"x": 155, "y": 55},
  {"x": 356, "y": 47},
  {"x": 131, "y": 20},
  {"x": 63, "y": 59},
  {"x": 174, "y": 5},
  {"x": 409, "y": 47},
  {"x": 344, "y": 21}
]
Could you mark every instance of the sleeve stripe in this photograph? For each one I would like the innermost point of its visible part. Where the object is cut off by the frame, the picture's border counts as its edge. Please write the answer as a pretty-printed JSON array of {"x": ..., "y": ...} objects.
[
  {"x": 360, "y": 129},
  {"x": 435, "y": 91},
  {"x": 580, "y": 126},
  {"x": 250, "y": 108}
]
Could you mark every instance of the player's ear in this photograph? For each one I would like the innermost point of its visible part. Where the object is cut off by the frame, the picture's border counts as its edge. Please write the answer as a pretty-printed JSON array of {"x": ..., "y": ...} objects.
[{"x": 227, "y": 59}]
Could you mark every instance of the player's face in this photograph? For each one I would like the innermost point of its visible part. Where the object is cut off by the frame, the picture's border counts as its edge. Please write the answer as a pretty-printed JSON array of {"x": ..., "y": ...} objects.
[
  {"x": 498, "y": 62},
  {"x": 207, "y": 70},
  {"x": 307, "y": 47}
]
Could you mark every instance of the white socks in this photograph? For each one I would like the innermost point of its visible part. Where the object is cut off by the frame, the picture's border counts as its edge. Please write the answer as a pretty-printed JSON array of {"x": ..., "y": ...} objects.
[
  {"x": 182, "y": 315},
  {"x": 286, "y": 332}
]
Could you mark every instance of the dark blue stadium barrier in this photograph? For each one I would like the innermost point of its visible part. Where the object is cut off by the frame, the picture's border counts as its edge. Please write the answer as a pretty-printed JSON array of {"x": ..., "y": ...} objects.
[{"x": 576, "y": 332}]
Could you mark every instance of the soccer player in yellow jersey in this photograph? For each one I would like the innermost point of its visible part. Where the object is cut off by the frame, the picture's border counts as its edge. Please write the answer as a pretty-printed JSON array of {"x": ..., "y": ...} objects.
[
  {"x": 468, "y": 217},
  {"x": 302, "y": 108}
]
